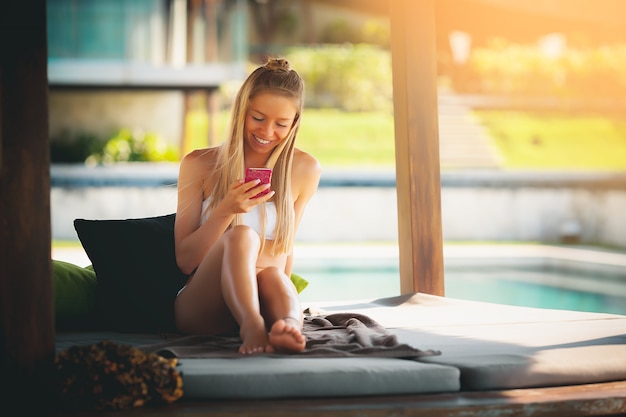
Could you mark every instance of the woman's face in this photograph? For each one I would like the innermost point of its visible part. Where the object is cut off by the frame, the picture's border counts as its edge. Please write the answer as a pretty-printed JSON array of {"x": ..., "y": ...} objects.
[{"x": 268, "y": 122}]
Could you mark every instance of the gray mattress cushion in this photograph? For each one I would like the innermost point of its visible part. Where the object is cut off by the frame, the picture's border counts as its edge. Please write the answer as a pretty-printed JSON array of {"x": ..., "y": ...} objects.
[
  {"x": 499, "y": 347},
  {"x": 271, "y": 377},
  {"x": 483, "y": 346},
  {"x": 290, "y": 377}
]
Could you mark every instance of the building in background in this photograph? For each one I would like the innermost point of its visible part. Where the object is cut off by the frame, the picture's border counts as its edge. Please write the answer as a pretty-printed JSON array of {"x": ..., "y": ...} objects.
[
  {"x": 148, "y": 64},
  {"x": 140, "y": 64}
]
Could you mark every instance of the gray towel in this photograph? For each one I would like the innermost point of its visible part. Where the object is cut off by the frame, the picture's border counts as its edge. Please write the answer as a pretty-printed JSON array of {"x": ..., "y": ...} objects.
[{"x": 333, "y": 335}]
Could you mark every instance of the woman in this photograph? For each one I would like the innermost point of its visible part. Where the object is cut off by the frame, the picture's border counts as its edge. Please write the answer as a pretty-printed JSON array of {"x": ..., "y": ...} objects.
[{"x": 237, "y": 246}]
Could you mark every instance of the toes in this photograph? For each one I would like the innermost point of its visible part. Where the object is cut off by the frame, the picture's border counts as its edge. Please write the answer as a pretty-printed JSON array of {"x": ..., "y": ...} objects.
[{"x": 251, "y": 350}]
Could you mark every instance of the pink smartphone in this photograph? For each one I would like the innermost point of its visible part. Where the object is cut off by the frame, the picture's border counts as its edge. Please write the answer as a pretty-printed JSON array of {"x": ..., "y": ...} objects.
[{"x": 263, "y": 174}]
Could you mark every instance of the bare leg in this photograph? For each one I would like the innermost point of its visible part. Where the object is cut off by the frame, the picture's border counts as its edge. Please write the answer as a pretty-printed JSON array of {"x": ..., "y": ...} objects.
[
  {"x": 200, "y": 308},
  {"x": 223, "y": 292},
  {"x": 281, "y": 307},
  {"x": 240, "y": 288}
]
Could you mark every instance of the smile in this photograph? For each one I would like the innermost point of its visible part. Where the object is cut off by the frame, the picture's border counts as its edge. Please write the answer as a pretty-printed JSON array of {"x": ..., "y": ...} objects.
[{"x": 261, "y": 141}]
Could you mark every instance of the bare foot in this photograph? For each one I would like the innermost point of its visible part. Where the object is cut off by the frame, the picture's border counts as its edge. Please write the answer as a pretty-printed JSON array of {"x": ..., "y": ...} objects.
[
  {"x": 254, "y": 336},
  {"x": 286, "y": 336}
]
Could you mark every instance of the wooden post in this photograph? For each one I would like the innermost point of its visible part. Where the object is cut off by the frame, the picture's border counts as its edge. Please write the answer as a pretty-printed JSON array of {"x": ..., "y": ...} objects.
[
  {"x": 212, "y": 56},
  {"x": 211, "y": 36},
  {"x": 213, "y": 108},
  {"x": 417, "y": 145},
  {"x": 26, "y": 292}
]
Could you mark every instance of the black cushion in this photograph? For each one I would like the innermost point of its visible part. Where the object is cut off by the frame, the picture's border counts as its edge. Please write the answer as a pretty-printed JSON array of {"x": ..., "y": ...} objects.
[{"x": 135, "y": 265}]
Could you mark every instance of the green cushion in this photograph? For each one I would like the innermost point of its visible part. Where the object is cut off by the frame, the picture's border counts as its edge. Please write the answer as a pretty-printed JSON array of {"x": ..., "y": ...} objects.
[
  {"x": 74, "y": 296},
  {"x": 299, "y": 282}
]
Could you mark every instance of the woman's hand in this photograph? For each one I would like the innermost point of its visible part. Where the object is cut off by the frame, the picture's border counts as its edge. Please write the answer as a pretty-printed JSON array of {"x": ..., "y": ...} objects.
[{"x": 241, "y": 196}]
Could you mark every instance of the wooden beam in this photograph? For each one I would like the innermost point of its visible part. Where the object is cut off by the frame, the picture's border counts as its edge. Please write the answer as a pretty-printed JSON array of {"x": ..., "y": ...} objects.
[
  {"x": 418, "y": 181},
  {"x": 26, "y": 298},
  {"x": 603, "y": 399}
]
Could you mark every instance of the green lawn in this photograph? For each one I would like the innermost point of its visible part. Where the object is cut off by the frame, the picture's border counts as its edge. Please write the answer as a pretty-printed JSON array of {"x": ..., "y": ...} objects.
[
  {"x": 348, "y": 139},
  {"x": 336, "y": 138},
  {"x": 526, "y": 140},
  {"x": 557, "y": 140}
]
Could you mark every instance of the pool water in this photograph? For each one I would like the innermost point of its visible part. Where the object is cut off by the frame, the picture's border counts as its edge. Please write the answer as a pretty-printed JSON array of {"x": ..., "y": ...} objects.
[{"x": 532, "y": 284}]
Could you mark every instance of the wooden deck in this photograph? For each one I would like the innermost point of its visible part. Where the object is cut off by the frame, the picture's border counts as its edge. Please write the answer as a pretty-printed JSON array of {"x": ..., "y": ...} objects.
[{"x": 604, "y": 399}]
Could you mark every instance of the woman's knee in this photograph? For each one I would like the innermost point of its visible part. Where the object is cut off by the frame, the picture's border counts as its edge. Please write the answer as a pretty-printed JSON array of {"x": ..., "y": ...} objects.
[
  {"x": 272, "y": 278},
  {"x": 271, "y": 272},
  {"x": 239, "y": 235}
]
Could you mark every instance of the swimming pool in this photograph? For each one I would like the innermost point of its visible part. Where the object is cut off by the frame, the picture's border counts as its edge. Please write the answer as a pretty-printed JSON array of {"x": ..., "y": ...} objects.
[
  {"x": 537, "y": 282},
  {"x": 525, "y": 275}
]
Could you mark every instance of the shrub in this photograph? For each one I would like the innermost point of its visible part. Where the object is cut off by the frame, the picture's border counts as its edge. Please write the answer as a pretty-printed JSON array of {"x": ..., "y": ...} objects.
[
  {"x": 348, "y": 77},
  {"x": 340, "y": 31},
  {"x": 69, "y": 148},
  {"x": 505, "y": 68},
  {"x": 128, "y": 146}
]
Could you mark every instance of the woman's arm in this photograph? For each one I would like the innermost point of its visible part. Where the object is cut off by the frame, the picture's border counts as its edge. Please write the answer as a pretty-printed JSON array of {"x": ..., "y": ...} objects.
[
  {"x": 306, "y": 172},
  {"x": 192, "y": 239}
]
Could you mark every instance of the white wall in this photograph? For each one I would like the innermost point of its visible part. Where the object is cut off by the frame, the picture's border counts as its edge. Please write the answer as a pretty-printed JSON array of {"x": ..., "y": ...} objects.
[
  {"x": 358, "y": 214},
  {"x": 103, "y": 113}
]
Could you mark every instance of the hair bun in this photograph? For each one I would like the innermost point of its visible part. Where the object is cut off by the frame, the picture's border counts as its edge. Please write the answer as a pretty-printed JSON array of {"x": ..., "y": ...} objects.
[{"x": 277, "y": 64}]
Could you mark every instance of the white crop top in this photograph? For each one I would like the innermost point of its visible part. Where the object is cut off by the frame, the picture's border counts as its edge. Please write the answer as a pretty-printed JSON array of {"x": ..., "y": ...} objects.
[{"x": 252, "y": 219}]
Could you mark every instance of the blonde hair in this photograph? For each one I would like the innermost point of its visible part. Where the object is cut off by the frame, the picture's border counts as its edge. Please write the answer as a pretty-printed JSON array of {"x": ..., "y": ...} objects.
[{"x": 275, "y": 77}]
